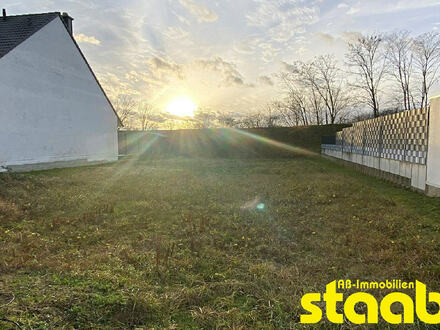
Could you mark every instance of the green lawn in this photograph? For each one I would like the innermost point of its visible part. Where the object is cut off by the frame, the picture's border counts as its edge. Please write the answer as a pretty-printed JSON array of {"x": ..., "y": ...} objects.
[{"x": 169, "y": 243}]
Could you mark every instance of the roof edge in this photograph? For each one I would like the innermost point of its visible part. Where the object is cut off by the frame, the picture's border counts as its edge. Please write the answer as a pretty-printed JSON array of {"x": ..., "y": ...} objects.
[
  {"x": 45, "y": 13},
  {"x": 120, "y": 124}
]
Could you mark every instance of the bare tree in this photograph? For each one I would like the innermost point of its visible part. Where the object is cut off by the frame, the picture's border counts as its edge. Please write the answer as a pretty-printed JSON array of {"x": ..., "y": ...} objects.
[
  {"x": 278, "y": 114},
  {"x": 297, "y": 106},
  {"x": 318, "y": 107},
  {"x": 330, "y": 84},
  {"x": 288, "y": 116},
  {"x": 303, "y": 98},
  {"x": 296, "y": 110},
  {"x": 317, "y": 90},
  {"x": 268, "y": 116},
  {"x": 227, "y": 120},
  {"x": 205, "y": 118},
  {"x": 252, "y": 120},
  {"x": 147, "y": 116},
  {"x": 366, "y": 56},
  {"x": 272, "y": 114},
  {"x": 124, "y": 106},
  {"x": 169, "y": 124},
  {"x": 426, "y": 50},
  {"x": 400, "y": 59}
]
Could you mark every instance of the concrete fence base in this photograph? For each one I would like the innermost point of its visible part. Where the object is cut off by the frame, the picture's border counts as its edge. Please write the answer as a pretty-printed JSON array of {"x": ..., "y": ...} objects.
[
  {"x": 403, "y": 173},
  {"x": 432, "y": 191}
]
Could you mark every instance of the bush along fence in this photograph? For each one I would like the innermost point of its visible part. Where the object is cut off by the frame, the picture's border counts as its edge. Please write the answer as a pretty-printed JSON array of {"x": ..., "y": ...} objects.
[
  {"x": 403, "y": 147},
  {"x": 224, "y": 142}
]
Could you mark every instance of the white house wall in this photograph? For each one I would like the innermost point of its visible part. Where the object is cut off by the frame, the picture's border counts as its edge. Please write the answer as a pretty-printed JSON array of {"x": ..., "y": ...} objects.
[
  {"x": 433, "y": 175},
  {"x": 51, "y": 108}
]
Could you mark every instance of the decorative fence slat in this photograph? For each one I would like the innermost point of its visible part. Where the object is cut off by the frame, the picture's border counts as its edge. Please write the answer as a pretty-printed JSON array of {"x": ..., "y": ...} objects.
[{"x": 402, "y": 136}]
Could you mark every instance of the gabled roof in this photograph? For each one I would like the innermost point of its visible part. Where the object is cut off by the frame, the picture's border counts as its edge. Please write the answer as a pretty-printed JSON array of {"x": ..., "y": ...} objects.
[{"x": 16, "y": 29}]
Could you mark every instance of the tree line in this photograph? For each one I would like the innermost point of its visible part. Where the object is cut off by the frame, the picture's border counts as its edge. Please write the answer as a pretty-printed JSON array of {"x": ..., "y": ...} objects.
[{"x": 381, "y": 73}]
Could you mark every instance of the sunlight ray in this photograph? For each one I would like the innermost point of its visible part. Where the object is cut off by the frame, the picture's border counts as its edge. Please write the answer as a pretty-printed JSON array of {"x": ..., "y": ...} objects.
[{"x": 272, "y": 142}]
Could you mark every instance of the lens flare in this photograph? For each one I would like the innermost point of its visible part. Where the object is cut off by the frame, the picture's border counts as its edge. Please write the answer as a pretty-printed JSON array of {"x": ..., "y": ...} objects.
[{"x": 260, "y": 206}]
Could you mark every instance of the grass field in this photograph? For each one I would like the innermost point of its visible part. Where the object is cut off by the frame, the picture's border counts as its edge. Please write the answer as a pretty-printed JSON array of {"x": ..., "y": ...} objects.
[{"x": 180, "y": 243}]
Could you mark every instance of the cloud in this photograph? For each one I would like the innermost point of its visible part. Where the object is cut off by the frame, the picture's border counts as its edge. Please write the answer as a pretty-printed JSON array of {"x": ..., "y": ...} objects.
[
  {"x": 268, "y": 51},
  {"x": 282, "y": 19},
  {"x": 374, "y": 7},
  {"x": 265, "y": 80},
  {"x": 229, "y": 72},
  {"x": 351, "y": 36},
  {"x": 247, "y": 45},
  {"x": 162, "y": 68},
  {"x": 325, "y": 37},
  {"x": 353, "y": 11},
  {"x": 82, "y": 38},
  {"x": 202, "y": 13},
  {"x": 263, "y": 47},
  {"x": 175, "y": 33},
  {"x": 164, "y": 55},
  {"x": 286, "y": 66},
  {"x": 114, "y": 86}
]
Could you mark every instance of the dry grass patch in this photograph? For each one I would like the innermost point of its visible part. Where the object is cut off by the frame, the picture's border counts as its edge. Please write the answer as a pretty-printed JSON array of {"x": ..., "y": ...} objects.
[{"x": 168, "y": 243}]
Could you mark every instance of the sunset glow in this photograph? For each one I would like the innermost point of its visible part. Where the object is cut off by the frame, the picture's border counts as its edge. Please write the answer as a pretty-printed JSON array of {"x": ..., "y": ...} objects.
[{"x": 182, "y": 107}]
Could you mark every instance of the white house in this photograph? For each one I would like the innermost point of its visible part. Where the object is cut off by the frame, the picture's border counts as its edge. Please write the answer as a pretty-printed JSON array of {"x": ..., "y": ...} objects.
[{"x": 53, "y": 111}]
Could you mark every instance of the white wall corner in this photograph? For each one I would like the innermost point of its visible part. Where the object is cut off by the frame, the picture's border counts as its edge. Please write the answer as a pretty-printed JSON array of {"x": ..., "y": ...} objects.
[{"x": 433, "y": 161}]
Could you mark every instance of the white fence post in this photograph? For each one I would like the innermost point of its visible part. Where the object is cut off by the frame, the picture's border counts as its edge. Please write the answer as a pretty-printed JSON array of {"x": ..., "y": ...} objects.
[{"x": 433, "y": 161}]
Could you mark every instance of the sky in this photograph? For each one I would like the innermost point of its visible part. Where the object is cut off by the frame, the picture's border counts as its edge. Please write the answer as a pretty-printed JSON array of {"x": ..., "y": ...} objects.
[{"x": 222, "y": 54}]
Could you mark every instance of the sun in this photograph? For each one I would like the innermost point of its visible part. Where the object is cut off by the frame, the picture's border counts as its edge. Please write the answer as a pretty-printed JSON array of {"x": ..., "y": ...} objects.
[{"x": 182, "y": 107}]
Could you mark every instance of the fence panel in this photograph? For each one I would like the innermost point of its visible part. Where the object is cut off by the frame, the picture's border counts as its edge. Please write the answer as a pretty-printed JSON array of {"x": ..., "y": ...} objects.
[
  {"x": 395, "y": 134},
  {"x": 402, "y": 136},
  {"x": 372, "y": 135},
  {"x": 417, "y": 138}
]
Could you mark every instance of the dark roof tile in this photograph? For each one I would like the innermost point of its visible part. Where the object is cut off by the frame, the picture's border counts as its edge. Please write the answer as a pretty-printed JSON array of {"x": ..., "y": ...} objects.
[{"x": 16, "y": 29}]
